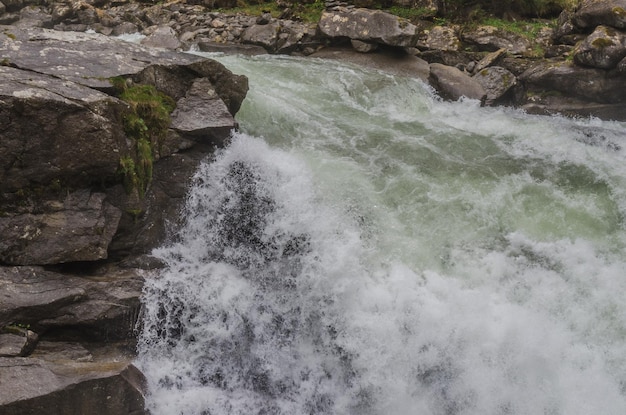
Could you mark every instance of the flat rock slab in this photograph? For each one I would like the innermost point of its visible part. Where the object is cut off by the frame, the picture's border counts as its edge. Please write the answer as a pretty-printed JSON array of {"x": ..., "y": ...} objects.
[
  {"x": 88, "y": 59},
  {"x": 452, "y": 84},
  {"x": 34, "y": 386}
]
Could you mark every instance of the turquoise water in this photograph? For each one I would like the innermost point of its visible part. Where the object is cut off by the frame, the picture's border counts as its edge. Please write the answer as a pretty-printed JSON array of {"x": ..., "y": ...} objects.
[{"x": 363, "y": 247}]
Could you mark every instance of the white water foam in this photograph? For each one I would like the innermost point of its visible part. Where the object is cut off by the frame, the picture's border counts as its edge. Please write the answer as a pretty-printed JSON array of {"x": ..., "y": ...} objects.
[{"x": 384, "y": 258}]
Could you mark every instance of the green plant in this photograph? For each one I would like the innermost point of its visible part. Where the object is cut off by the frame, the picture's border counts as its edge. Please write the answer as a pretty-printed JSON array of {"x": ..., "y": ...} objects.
[{"x": 146, "y": 124}]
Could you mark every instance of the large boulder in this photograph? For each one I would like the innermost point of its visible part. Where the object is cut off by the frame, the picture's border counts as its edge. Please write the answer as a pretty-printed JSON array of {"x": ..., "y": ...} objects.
[
  {"x": 52, "y": 129},
  {"x": 452, "y": 83},
  {"x": 603, "y": 49},
  {"x": 371, "y": 26},
  {"x": 592, "y": 13},
  {"x": 593, "y": 84},
  {"x": 65, "y": 131}
]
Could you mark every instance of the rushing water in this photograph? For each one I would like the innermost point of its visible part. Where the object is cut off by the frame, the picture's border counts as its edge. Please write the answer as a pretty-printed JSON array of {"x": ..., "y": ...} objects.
[{"x": 362, "y": 247}]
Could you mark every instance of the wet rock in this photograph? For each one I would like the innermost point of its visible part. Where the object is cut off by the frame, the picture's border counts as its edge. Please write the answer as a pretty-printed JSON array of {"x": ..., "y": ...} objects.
[
  {"x": 103, "y": 307},
  {"x": 604, "y": 48},
  {"x": 498, "y": 84},
  {"x": 596, "y": 85},
  {"x": 372, "y": 26},
  {"x": 452, "y": 84}
]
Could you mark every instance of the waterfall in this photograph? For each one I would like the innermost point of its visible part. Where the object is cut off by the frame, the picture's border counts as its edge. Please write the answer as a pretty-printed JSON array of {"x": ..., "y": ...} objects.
[{"x": 362, "y": 247}]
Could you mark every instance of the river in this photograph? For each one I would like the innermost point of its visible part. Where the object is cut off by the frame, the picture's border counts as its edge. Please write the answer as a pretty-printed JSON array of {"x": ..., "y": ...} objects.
[{"x": 363, "y": 247}]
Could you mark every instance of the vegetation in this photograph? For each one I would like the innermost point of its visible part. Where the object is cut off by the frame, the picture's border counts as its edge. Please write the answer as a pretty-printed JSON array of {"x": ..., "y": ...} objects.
[
  {"x": 506, "y": 8},
  {"x": 306, "y": 12},
  {"x": 146, "y": 124}
]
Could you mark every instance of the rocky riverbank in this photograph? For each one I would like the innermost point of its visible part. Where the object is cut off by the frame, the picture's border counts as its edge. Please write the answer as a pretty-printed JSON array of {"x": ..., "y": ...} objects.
[
  {"x": 576, "y": 66},
  {"x": 99, "y": 138}
]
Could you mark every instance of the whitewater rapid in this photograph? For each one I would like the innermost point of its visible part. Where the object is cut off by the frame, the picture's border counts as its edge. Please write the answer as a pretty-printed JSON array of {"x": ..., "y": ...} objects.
[{"x": 362, "y": 247}]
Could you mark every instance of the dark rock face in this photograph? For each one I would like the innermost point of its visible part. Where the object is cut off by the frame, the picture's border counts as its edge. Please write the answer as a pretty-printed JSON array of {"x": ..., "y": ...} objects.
[
  {"x": 592, "y": 13},
  {"x": 490, "y": 39},
  {"x": 66, "y": 155},
  {"x": 498, "y": 83}
]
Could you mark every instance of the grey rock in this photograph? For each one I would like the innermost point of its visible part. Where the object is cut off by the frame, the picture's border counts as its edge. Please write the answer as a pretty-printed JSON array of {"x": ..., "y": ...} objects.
[
  {"x": 490, "y": 38},
  {"x": 363, "y": 47},
  {"x": 372, "y": 26},
  {"x": 79, "y": 228},
  {"x": 596, "y": 85},
  {"x": 592, "y": 13},
  {"x": 17, "y": 342},
  {"x": 265, "y": 35},
  {"x": 163, "y": 37},
  {"x": 498, "y": 83},
  {"x": 452, "y": 84},
  {"x": 54, "y": 128},
  {"x": 489, "y": 60},
  {"x": 106, "y": 387},
  {"x": 105, "y": 307},
  {"x": 202, "y": 114},
  {"x": 604, "y": 48},
  {"x": 441, "y": 38}
]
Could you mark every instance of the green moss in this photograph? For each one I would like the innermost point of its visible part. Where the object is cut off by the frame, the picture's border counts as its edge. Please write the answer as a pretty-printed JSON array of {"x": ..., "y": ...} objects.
[
  {"x": 619, "y": 11},
  {"x": 10, "y": 35},
  {"x": 146, "y": 124},
  {"x": 602, "y": 42},
  {"x": 412, "y": 14},
  {"x": 5, "y": 62}
]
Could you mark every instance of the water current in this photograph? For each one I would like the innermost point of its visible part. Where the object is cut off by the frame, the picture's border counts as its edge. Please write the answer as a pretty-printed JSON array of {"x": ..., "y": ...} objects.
[{"x": 362, "y": 247}]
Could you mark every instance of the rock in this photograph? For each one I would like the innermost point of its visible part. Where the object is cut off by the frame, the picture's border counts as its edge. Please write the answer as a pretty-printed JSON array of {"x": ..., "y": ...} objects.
[
  {"x": 55, "y": 131},
  {"x": 79, "y": 228},
  {"x": 592, "y": 13},
  {"x": 441, "y": 38},
  {"x": 202, "y": 114},
  {"x": 596, "y": 85},
  {"x": 564, "y": 27},
  {"x": 372, "y": 26},
  {"x": 34, "y": 386},
  {"x": 490, "y": 59},
  {"x": 265, "y": 18},
  {"x": 490, "y": 38},
  {"x": 163, "y": 37},
  {"x": 16, "y": 5},
  {"x": 265, "y": 35},
  {"x": 75, "y": 133},
  {"x": 390, "y": 60},
  {"x": 552, "y": 103},
  {"x": 363, "y": 47},
  {"x": 452, "y": 84},
  {"x": 498, "y": 83},
  {"x": 604, "y": 48},
  {"x": 17, "y": 342},
  {"x": 446, "y": 57},
  {"x": 102, "y": 307},
  {"x": 124, "y": 28}
]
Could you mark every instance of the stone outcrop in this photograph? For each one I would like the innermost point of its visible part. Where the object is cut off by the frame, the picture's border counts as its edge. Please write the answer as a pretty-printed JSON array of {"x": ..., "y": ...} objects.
[
  {"x": 370, "y": 26},
  {"x": 604, "y": 48},
  {"x": 592, "y": 13},
  {"x": 86, "y": 194},
  {"x": 490, "y": 39}
]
